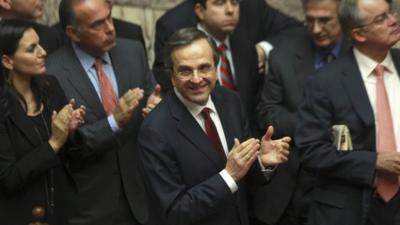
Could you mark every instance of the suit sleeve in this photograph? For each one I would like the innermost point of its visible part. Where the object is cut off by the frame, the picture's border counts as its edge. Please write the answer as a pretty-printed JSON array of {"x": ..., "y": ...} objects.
[
  {"x": 179, "y": 204},
  {"x": 314, "y": 141},
  {"x": 271, "y": 109}
]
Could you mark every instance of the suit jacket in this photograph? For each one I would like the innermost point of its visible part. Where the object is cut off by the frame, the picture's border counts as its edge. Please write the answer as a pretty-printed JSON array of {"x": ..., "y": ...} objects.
[
  {"x": 25, "y": 161},
  {"x": 258, "y": 21},
  {"x": 290, "y": 64},
  {"x": 181, "y": 169},
  {"x": 108, "y": 165},
  {"x": 345, "y": 180},
  {"x": 123, "y": 29}
]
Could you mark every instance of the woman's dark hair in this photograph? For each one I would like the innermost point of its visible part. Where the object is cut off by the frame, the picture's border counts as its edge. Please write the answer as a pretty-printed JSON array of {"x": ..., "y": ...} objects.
[{"x": 11, "y": 32}]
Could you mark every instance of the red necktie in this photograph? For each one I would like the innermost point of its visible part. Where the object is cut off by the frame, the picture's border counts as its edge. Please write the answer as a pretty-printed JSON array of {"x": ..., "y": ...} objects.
[
  {"x": 212, "y": 133},
  {"x": 108, "y": 96},
  {"x": 225, "y": 68},
  {"x": 387, "y": 185}
]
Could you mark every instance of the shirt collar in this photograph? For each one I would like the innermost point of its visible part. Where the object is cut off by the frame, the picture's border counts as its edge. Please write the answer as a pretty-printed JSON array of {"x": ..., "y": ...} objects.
[
  {"x": 195, "y": 109},
  {"x": 217, "y": 42},
  {"x": 367, "y": 65},
  {"x": 86, "y": 59},
  {"x": 335, "y": 50}
]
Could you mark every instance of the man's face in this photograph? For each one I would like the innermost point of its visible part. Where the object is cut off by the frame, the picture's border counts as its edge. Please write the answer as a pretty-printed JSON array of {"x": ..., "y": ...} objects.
[
  {"x": 95, "y": 33},
  {"x": 27, "y": 9},
  {"x": 380, "y": 27},
  {"x": 219, "y": 17},
  {"x": 193, "y": 72},
  {"x": 322, "y": 22}
]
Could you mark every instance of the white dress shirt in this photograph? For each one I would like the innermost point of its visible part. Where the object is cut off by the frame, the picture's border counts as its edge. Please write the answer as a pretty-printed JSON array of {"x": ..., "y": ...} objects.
[{"x": 392, "y": 84}]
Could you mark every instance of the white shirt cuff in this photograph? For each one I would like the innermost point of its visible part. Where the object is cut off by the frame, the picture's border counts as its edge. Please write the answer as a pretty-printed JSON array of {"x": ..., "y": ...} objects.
[
  {"x": 113, "y": 123},
  {"x": 266, "y": 46},
  {"x": 267, "y": 172},
  {"x": 229, "y": 181}
]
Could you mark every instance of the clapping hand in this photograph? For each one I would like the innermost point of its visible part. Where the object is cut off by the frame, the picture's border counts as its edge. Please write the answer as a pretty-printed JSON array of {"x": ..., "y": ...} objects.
[{"x": 274, "y": 152}]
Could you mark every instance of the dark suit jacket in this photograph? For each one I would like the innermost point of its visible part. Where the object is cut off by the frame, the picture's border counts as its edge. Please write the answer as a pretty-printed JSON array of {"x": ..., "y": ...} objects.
[
  {"x": 258, "y": 21},
  {"x": 123, "y": 29},
  {"x": 290, "y": 64},
  {"x": 181, "y": 169},
  {"x": 109, "y": 163},
  {"x": 24, "y": 163},
  {"x": 344, "y": 186}
]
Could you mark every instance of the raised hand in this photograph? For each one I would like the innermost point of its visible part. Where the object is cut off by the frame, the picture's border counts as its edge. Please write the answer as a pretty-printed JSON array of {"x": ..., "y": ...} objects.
[
  {"x": 241, "y": 157},
  {"x": 126, "y": 104},
  {"x": 60, "y": 127},
  {"x": 273, "y": 152},
  {"x": 152, "y": 101},
  {"x": 78, "y": 116}
]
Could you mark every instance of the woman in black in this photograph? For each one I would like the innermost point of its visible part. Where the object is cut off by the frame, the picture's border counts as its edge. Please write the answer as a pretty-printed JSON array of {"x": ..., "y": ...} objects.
[{"x": 35, "y": 122}]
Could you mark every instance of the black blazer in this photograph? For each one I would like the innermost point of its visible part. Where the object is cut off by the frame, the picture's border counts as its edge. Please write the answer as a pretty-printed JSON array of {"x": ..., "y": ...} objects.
[
  {"x": 181, "y": 169},
  {"x": 345, "y": 180},
  {"x": 290, "y": 64},
  {"x": 24, "y": 163},
  {"x": 258, "y": 22},
  {"x": 108, "y": 166}
]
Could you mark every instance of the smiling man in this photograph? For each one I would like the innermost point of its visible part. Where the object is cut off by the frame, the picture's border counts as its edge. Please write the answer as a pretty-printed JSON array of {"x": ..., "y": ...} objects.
[{"x": 195, "y": 146}]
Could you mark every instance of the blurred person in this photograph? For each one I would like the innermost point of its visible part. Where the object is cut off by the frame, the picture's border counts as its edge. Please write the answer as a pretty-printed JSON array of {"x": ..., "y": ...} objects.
[
  {"x": 259, "y": 23},
  {"x": 290, "y": 65},
  {"x": 31, "y": 10},
  {"x": 359, "y": 90}
]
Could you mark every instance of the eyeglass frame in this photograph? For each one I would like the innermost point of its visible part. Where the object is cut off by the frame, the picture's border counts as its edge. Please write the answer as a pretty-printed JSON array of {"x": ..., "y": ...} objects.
[
  {"x": 383, "y": 18},
  {"x": 323, "y": 21},
  {"x": 202, "y": 71}
]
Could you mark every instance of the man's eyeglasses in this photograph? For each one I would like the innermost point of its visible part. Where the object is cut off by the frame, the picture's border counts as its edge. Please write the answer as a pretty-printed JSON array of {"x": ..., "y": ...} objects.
[
  {"x": 187, "y": 73},
  {"x": 223, "y": 2},
  {"x": 380, "y": 19}
]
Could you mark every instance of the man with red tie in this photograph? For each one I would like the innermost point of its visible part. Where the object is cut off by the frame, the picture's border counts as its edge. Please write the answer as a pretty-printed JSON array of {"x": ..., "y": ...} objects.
[
  {"x": 360, "y": 90},
  {"x": 196, "y": 152},
  {"x": 237, "y": 67},
  {"x": 112, "y": 78}
]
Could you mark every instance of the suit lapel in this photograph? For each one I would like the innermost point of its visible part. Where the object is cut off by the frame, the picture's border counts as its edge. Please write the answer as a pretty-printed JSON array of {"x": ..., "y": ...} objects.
[
  {"x": 81, "y": 83},
  {"x": 223, "y": 113},
  {"x": 240, "y": 70},
  {"x": 21, "y": 121},
  {"x": 189, "y": 128},
  {"x": 355, "y": 88}
]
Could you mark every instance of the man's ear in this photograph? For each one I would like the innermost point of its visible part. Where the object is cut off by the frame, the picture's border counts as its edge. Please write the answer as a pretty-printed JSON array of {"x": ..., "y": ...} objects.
[
  {"x": 72, "y": 33},
  {"x": 358, "y": 34},
  {"x": 199, "y": 11},
  {"x": 5, "y": 4},
  {"x": 7, "y": 62}
]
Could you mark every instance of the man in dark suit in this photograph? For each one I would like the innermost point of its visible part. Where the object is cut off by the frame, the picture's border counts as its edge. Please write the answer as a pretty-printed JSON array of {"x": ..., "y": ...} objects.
[
  {"x": 195, "y": 148},
  {"x": 290, "y": 63},
  {"x": 96, "y": 69},
  {"x": 237, "y": 68},
  {"x": 258, "y": 22},
  {"x": 31, "y": 10},
  {"x": 359, "y": 90}
]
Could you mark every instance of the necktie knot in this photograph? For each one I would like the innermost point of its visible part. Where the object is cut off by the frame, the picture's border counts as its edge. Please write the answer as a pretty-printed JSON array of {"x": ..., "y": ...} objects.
[
  {"x": 222, "y": 48},
  {"x": 98, "y": 64},
  {"x": 329, "y": 57},
  {"x": 205, "y": 112},
  {"x": 379, "y": 71}
]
